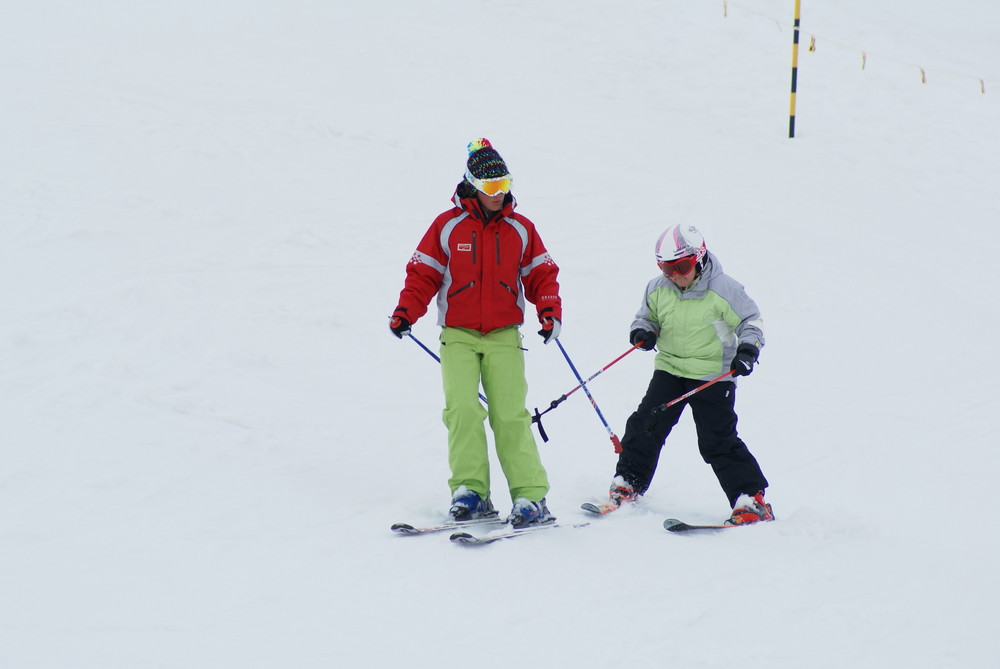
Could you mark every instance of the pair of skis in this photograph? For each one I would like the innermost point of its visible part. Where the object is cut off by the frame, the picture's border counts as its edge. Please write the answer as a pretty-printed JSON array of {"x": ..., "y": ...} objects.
[
  {"x": 502, "y": 531},
  {"x": 670, "y": 524},
  {"x": 410, "y": 530}
]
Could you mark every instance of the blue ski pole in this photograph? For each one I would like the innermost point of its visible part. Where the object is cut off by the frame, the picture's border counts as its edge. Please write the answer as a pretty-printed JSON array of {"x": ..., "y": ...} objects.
[
  {"x": 614, "y": 437},
  {"x": 432, "y": 354}
]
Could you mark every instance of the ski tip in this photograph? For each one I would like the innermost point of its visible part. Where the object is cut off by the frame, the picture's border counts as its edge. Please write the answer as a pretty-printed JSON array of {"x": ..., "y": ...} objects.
[
  {"x": 403, "y": 528},
  {"x": 674, "y": 525},
  {"x": 466, "y": 539},
  {"x": 599, "y": 509}
]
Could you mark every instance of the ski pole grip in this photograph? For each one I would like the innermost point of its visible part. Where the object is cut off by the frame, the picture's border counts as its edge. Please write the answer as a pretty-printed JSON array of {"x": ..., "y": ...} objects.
[{"x": 537, "y": 418}]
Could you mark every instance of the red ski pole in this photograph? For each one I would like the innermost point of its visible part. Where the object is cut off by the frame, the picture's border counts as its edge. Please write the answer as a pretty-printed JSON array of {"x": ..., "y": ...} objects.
[
  {"x": 554, "y": 403},
  {"x": 664, "y": 407},
  {"x": 537, "y": 418}
]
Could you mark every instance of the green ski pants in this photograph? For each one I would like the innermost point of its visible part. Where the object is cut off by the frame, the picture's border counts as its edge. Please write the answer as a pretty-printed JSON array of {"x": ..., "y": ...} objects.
[{"x": 497, "y": 359}]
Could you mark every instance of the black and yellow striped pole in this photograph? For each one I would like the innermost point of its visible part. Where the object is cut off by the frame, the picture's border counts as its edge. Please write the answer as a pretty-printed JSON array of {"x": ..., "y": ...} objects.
[{"x": 795, "y": 71}]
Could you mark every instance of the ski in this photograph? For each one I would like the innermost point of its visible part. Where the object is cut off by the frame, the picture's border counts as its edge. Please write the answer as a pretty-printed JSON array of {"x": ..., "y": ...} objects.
[
  {"x": 599, "y": 509},
  {"x": 466, "y": 539},
  {"x": 410, "y": 530},
  {"x": 674, "y": 525}
]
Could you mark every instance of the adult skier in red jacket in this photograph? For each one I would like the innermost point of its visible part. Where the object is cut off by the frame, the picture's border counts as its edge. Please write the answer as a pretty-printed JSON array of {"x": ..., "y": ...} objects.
[{"x": 483, "y": 262}]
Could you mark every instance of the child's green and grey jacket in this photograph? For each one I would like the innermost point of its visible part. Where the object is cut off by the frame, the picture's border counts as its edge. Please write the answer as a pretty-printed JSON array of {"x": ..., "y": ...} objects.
[{"x": 699, "y": 328}]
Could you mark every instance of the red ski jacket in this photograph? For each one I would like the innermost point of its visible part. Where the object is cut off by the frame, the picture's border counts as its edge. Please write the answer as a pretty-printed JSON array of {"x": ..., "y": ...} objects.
[{"x": 481, "y": 271}]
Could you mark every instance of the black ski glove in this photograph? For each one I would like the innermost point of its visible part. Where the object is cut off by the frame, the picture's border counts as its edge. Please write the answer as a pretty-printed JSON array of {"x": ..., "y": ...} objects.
[
  {"x": 647, "y": 338},
  {"x": 746, "y": 356},
  {"x": 399, "y": 325}
]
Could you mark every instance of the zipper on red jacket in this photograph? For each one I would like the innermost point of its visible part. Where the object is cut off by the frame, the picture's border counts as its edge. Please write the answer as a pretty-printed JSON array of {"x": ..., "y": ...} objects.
[
  {"x": 473, "y": 247},
  {"x": 456, "y": 292},
  {"x": 497, "y": 233}
]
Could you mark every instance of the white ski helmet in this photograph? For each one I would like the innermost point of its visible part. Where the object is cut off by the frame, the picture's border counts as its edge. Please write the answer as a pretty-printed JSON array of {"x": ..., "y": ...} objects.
[{"x": 680, "y": 241}]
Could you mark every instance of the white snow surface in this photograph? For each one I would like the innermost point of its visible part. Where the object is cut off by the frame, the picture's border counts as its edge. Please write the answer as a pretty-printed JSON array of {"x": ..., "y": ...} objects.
[{"x": 206, "y": 209}]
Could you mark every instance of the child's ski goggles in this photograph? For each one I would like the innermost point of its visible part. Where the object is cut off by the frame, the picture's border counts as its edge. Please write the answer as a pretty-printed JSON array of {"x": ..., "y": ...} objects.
[
  {"x": 681, "y": 266},
  {"x": 490, "y": 186}
]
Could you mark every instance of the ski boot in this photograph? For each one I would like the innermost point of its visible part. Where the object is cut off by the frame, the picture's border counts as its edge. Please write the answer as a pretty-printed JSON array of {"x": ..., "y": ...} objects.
[
  {"x": 468, "y": 505},
  {"x": 622, "y": 491},
  {"x": 526, "y": 512},
  {"x": 750, "y": 509}
]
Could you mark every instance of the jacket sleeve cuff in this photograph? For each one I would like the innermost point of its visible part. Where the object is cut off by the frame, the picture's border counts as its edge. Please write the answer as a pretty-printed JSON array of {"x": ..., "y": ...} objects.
[{"x": 551, "y": 309}]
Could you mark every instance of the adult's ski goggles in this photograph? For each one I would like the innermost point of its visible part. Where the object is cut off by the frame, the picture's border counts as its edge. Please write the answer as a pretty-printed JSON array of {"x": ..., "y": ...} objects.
[
  {"x": 490, "y": 186},
  {"x": 681, "y": 266}
]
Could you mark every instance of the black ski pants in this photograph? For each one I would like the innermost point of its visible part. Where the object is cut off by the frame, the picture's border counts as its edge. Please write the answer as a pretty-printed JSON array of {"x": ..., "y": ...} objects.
[{"x": 715, "y": 421}]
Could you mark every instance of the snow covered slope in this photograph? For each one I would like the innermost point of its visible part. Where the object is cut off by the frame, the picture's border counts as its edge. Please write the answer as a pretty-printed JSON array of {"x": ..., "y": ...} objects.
[{"x": 205, "y": 213}]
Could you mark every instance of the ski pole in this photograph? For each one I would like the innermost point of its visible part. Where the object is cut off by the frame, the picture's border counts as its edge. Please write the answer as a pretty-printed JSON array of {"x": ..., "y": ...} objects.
[
  {"x": 537, "y": 418},
  {"x": 614, "y": 437},
  {"x": 664, "y": 407},
  {"x": 431, "y": 353}
]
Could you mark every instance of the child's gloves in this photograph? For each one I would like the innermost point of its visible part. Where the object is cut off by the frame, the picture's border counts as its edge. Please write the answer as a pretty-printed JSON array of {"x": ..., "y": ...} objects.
[
  {"x": 746, "y": 356},
  {"x": 647, "y": 338}
]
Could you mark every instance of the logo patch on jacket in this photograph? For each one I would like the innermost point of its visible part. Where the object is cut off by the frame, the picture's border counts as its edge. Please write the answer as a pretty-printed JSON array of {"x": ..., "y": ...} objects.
[{"x": 465, "y": 247}]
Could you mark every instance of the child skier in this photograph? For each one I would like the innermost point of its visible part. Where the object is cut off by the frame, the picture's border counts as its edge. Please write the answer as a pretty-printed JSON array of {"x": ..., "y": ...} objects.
[{"x": 703, "y": 323}]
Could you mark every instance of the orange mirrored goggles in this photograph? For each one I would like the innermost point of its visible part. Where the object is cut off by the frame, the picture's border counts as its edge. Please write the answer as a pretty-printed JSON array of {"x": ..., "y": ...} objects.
[{"x": 491, "y": 186}]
